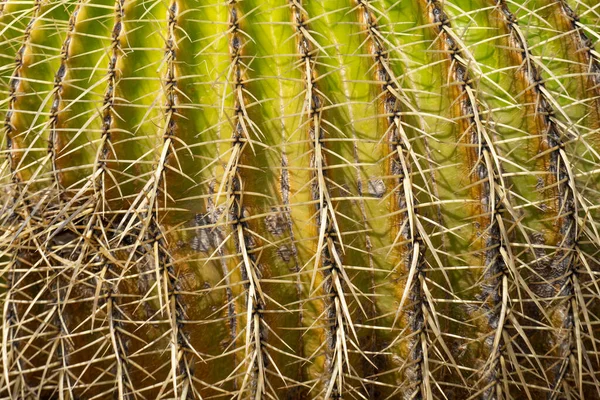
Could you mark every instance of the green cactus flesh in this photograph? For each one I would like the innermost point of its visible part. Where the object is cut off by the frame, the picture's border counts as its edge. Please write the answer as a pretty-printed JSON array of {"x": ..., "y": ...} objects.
[{"x": 287, "y": 199}]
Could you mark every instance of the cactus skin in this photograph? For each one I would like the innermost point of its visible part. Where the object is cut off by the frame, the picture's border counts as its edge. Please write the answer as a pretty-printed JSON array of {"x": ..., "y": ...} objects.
[{"x": 298, "y": 199}]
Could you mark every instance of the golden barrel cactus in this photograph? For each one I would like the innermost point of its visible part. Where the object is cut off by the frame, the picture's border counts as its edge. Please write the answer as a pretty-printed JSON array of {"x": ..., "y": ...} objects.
[{"x": 300, "y": 199}]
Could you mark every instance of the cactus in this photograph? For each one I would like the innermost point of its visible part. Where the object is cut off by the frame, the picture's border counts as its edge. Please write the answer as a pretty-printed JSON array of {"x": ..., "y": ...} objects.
[{"x": 300, "y": 199}]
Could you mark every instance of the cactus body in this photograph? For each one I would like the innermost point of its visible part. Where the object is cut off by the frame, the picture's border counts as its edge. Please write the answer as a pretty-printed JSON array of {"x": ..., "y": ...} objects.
[{"x": 286, "y": 199}]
